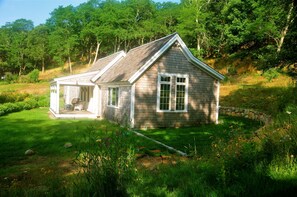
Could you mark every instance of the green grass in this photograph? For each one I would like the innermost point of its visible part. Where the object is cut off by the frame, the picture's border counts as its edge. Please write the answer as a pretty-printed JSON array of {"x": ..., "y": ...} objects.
[
  {"x": 50, "y": 171},
  {"x": 34, "y": 129},
  {"x": 199, "y": 139}
]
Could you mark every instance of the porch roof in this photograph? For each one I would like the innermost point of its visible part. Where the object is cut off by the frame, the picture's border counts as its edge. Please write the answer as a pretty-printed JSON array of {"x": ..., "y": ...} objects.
[{"x": 78, "y": 79}]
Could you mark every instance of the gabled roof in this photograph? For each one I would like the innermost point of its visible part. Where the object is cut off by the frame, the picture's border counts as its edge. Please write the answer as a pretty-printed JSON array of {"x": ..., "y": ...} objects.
[
  {"x": 102, "y": 62},
  {"x": 94, "y": 72},
  {"x": 139, "y": 59},
  {"x": 121, "y": 67},
  {"x": 133, "y": 61}
]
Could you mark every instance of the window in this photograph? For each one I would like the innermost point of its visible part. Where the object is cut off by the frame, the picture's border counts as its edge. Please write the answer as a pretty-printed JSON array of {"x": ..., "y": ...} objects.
[
  {"x": 178, "y": 96},
  {"x": 180, "y": 93},
  {"x": 113, "y": 97},
  {"x": 165, "y": 92}
]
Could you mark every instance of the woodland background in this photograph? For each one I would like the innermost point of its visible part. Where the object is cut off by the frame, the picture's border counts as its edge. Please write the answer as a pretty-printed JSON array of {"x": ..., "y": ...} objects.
[{"x": 265, "y": 31}]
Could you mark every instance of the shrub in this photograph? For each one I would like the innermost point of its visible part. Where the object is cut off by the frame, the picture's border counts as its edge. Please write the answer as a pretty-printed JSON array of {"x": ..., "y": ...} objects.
[
  {"x": 10, "y": 78},
  {"x": 23, "y": 79},
  {"x": 33, "y": 76},
  {"x": 29, "y": 102},
  {"x": 271, "y": 74},
  {"x": 43, "y": 101},
  {"x": 108, "y": 166},
  {"x": 7, "y": 97}
]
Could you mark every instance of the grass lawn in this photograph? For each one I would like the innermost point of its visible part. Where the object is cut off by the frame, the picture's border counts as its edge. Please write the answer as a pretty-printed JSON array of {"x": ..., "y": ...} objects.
[
  {"x": 34, "y": 129},
  {"x": 200, "y": 138}
]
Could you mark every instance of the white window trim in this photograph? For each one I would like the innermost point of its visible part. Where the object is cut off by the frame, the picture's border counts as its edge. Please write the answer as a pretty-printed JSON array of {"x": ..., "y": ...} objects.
[
  {"x": 172, "y": 76},
  {"x": 159, "y": 91},
  {"x": 186, "y": 91},
  {"x": 108, "y": 97}
]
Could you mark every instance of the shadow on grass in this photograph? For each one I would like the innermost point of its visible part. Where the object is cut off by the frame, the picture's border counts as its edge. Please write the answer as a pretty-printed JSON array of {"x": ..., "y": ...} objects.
[{"x": 199, "y": 138}]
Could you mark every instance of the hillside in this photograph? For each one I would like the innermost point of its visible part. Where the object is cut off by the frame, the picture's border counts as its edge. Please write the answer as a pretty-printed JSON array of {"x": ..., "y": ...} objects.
[{"x": 245, "y": 88}]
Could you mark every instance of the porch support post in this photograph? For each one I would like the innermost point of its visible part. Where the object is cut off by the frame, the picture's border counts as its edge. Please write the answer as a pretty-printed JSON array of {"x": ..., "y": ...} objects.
[
  {"x": 58, "y": 99},
  {"x": 96, "y": 100},
  {"x": 100, "y": 100}
]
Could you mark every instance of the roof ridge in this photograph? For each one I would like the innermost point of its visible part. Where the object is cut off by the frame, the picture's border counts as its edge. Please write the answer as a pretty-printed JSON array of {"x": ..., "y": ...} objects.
[
  {"x": 110, "y": 55},
  {"x": 152, "y": 42}
]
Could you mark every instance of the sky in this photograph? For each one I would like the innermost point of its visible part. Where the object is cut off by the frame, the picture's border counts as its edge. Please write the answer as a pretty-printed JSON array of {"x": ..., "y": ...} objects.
[{"x": 36, "y": 10}]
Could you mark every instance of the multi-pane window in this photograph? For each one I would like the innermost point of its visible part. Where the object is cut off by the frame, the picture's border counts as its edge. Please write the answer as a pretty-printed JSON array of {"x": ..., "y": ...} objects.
[
  {"x": 165, "y": 86},
  {"x": 180, "y": 93},
  {"x": 172, "y": 92},
  {"x": 113, "y": 97}
]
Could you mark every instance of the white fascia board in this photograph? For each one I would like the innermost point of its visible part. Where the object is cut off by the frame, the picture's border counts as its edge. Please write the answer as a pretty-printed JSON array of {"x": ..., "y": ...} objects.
[
  {"x": 115, "y": 84},
  {"x": 75, "y": 76},
  {"x": 152, "y": 59},
  {"x": 108, "y": 66},
  {"x": 193, "y": 59},
  {"x": 76, "y": 83}
]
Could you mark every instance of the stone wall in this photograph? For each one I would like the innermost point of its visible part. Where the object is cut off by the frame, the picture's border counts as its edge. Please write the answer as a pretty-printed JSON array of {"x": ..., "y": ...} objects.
[{"x": 246, "y": 113}]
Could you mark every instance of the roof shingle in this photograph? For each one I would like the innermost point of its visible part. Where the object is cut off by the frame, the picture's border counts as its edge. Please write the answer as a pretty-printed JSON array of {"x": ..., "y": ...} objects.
[
  {"x": 102, "y": 62},
  {"x": 133, "y": 61}
]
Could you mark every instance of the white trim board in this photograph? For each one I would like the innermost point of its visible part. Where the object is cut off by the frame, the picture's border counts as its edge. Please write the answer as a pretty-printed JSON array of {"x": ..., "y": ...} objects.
[
  {"x": 108, "y": 66},
  {"x": 187, "y": 53},
  {"x": 132, "y": 106},
  {"x": 75, "y": 76}
]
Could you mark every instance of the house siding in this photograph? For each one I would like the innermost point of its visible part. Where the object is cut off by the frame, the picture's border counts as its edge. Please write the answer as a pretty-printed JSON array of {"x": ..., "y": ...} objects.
[
  {"x": 120, "y": 114},
  {"x": 202, "y": 90}
]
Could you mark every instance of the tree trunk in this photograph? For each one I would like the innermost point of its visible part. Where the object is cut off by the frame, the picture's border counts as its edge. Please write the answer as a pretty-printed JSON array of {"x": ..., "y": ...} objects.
[
  {"x": 20, "y": 71},
  {"x": 43, "y": 66},
  {"x": 90, "y": 56},
  {"x": 69, "y": 64},
  {"x": 198, "y": 44},
  {"x": 286, "y": 28},
  {"x": 97, "y": 51}
]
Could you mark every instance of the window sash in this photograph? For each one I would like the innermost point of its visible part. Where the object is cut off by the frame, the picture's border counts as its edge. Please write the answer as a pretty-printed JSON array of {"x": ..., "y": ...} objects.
[
  {"x": 113, "y": 97},
  {"x": 180, "y": 97},
  {"x": 180, "y": 94},
  {"x": 164, "y": 97}
]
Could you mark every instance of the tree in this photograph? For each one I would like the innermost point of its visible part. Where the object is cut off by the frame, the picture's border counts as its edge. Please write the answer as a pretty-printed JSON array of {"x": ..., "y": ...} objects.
[
  {"x": 16, "y": 47},
  {"x": 37, "y": 45},
  {"x": 63, "y": 38},
  {"x": 87, "y": 38},
  {"x": 192, "y": 24}
]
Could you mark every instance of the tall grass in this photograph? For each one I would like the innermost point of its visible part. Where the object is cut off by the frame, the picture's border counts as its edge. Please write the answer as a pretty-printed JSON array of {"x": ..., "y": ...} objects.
[{"x": 107, "y": 165}]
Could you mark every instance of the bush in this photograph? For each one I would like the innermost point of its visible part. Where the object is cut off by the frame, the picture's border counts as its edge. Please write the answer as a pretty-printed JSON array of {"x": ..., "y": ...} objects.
[
  {"x": 27, "y": 103},
  {"x": 33, "y": 76},
  {"x": 10, "y": 78},
  {"x": 271, "y": 74},
  {"x": 108, "y": 165},
  {"x": 8, "y": 97}
]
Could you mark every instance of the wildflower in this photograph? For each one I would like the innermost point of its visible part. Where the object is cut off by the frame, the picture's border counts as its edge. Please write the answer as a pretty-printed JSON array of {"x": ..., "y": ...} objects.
[
  {"x": 292, "y": 156},
  {"x": 288, "y": 112}
]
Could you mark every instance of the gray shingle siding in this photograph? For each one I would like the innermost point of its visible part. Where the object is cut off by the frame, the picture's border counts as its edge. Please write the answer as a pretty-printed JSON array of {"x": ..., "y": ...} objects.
[
  {"x": 121, "y": 114},
  {"x": 201, "y": 94}
]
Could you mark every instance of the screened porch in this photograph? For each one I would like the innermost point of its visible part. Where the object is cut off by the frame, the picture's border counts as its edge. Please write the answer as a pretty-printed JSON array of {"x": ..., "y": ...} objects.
[{"x": 74, "y": 97}]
